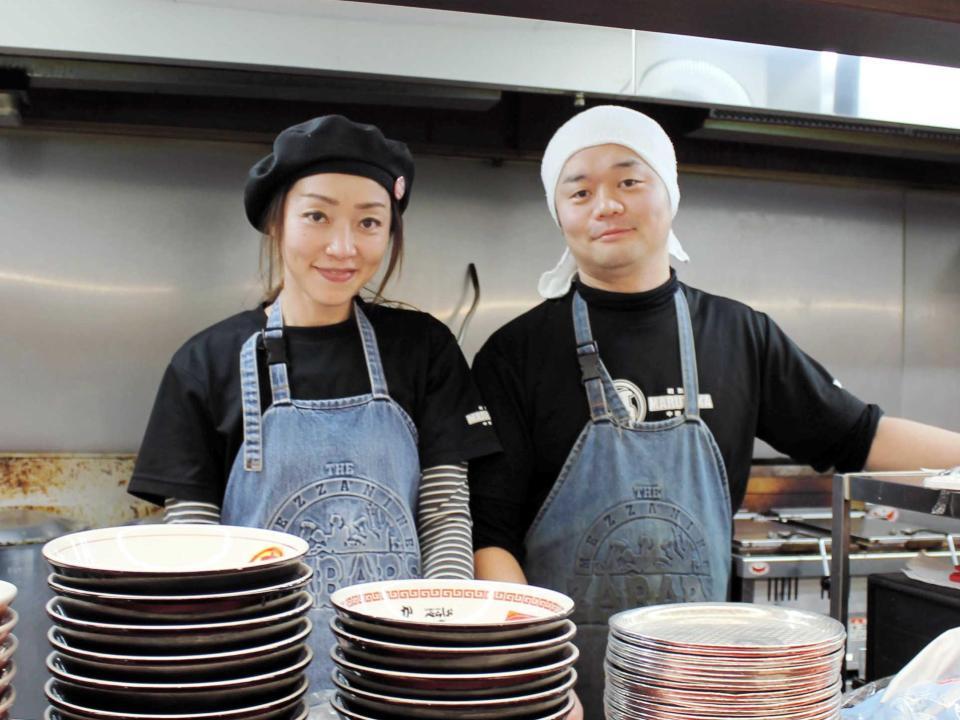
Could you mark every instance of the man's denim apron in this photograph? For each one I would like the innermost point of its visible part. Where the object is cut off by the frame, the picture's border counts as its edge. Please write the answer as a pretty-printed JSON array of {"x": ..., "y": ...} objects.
[
  {"x": 640, "y": 513},
  {"x": 342, "y": 474}
]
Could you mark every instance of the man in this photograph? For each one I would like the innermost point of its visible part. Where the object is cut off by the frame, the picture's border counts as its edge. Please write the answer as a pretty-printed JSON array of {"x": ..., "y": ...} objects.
[{"x": 614, "y": 497}]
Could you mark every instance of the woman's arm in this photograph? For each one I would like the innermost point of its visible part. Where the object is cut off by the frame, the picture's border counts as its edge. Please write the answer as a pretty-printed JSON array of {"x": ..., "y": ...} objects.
[
  {"x": 190, "y": 511},
  {"x": 444, "y": 524},
  {"x": 496, "y": 563}
]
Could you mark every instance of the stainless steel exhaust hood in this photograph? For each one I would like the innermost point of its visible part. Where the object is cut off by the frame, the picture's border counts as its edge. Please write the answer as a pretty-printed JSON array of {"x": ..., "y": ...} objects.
[{"x": 481, "y": 55}]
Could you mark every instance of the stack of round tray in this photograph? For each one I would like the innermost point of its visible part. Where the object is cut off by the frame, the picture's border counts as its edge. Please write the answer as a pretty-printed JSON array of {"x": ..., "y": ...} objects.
[
  {"x": 452, "y": 649},
  {"x": 715, "y": 661},
  {"x": 8, "y": 644},
  {"x": 157, "y": 622}
]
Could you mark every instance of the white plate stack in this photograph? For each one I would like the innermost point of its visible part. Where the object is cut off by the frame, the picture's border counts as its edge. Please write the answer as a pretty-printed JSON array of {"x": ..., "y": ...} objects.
[
  {"x": 715, "y": 661},
  {"x": 8, "y": 645},
  {"x": 445, "y": 649},
  {"x": 156, "y": 622}
]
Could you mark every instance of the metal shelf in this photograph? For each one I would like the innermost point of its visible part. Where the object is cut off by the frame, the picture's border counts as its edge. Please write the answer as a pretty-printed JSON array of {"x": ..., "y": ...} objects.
[
  {"x": 765, "y": 567},
  {"x": 901, "y": 490}
]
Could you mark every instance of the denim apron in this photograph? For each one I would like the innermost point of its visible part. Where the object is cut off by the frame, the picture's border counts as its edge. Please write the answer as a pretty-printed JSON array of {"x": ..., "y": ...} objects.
[
  {"x": 342, "y": 474},
  {"x": 640, "y": 513}
]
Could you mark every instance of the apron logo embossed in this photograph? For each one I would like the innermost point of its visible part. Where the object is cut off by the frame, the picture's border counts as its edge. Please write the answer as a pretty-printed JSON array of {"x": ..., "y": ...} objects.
[
  {"x": 339, "y": 469},
  {"x": 358, "y": 532},
  {"x": 617, "y": 567},
  {"x": 647, "y": 492}
]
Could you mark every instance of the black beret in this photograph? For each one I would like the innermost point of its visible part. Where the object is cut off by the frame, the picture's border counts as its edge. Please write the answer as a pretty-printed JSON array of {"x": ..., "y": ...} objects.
[{"x": 331, "y": 143}]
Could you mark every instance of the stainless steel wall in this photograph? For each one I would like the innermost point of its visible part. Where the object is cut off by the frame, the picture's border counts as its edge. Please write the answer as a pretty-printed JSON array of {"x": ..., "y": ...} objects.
[{"x": 115, "y": 250}]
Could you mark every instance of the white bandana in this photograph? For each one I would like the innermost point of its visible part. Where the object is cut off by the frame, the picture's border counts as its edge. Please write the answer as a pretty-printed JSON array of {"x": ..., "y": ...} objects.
[{"x": 606, "y": 125}]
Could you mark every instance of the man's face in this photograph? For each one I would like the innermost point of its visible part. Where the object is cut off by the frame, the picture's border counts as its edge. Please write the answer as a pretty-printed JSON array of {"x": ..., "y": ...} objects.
[{"x": 614, "y": 211}]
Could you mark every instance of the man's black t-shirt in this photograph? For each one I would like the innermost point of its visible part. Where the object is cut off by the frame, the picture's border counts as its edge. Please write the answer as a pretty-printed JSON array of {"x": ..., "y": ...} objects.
[
  {"x": 754, "y": 382},
  {"x": 196, "y": 427}
]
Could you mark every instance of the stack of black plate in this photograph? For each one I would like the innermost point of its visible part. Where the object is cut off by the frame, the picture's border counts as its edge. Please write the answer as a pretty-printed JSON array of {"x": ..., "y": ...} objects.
[
  {"x": 157, "y": 622},
  {"x": 452, "y": 649},
  {"x": 8, "y": 644}
]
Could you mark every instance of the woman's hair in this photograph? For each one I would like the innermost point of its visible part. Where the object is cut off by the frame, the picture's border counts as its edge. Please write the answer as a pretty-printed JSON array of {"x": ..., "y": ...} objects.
[{"x": 271, "y": 259}]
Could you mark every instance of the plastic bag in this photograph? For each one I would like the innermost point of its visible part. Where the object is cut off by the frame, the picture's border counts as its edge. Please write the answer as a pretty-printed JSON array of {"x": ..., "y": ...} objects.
[{"x": 928, "y": 688}]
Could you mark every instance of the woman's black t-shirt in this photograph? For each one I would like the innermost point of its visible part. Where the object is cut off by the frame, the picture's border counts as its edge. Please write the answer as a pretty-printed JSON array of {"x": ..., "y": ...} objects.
[{"x": 196, "y": 427}]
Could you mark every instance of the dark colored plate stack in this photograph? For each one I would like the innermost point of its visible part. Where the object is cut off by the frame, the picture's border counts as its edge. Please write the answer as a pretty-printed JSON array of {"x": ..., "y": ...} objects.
[
  {"x": 178, "y": 622},
  {"x": 8, "y": 645},
  {"x": 446, "y": 649}
]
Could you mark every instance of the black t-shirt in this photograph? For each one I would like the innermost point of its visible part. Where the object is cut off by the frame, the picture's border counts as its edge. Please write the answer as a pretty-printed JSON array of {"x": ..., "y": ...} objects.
[
  {"x": 759, "y": 383},
  {"x": 196, "y": 427}
]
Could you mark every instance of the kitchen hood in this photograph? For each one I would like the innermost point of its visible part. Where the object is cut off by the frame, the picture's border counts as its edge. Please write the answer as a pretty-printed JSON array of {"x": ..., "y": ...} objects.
[{"x": 412, "y": 57}]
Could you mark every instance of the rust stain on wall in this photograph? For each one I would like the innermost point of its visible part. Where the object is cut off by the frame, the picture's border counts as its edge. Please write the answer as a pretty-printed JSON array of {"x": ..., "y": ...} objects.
[{"x": 84, "y": 487}]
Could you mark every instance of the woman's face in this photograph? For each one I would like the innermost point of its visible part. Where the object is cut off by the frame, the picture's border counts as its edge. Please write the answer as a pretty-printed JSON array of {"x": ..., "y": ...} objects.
[{"x": 336, "y": 229}]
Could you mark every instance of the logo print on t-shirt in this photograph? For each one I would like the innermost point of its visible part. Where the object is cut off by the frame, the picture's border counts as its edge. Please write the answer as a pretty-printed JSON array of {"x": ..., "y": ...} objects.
[
  {"x": 481, "y": 416},
  {"x": 632, "y": 398}
]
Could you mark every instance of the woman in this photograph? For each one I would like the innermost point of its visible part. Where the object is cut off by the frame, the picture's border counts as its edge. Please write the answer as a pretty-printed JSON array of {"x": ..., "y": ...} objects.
[{"x": 316, "y": 412}]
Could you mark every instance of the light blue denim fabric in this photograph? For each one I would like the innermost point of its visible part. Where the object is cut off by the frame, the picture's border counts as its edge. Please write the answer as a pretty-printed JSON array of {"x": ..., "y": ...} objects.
[
  {"x": 639, "y": 515},
  {"x": 342, "y": 474}
]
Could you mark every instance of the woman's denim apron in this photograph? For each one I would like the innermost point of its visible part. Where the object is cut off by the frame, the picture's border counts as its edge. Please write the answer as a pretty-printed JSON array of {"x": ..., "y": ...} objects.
[
  {"x": 640, "y": 513},
  {"x": 342, "y": 474}
]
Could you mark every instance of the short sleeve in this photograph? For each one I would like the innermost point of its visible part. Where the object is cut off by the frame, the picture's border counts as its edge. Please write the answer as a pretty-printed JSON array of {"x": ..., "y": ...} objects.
[
  {"x": 454, "y": 426},
  {"x": 181, "y": 454},
  {"x": 500, "y": 485},
  {"x": 806, "y": 413}
]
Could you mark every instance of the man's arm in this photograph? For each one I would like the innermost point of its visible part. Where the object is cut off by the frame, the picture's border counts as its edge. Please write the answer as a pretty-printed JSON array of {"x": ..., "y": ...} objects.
[{"x": 901, "y": 444}]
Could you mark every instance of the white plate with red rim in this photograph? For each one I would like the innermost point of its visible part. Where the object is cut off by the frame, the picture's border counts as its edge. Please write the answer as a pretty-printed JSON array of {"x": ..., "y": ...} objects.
[
  {"x": 340, "y": 706},
  {"x": 451, "y": 610},
  {"x": 458, "y": 658},
  {"x": 177, "y": 602},
  {"x": 271, "y": 709},
  {"x": 728, "y": 629},
  {"x": 7, "y": 648},
  {"x": 63, "y": 668},
  {"x": 66, "y": 614},
  {"x": 628, "y": 650},
  {"x": 8, "y": 620},
  {"x": 168, "y": 551},
  {"x": 135, "y": 701},
  {"x": 637, "y": 711},
  {"x": 189, "y": 639},
  {"x": 533, "y": 676},
  {"x": 7, "y": 674},
  {"x": 363, "y": 682},
  {"x": 6, "y": 699},
  {"x": 8, "y": 591},
  {"x": 644, "y": 710},
  {"x": 245, "y": 661},
  {"x": 543, "y": 701},
  {"x": 299, "y": 712},
  {"x": 190, "y": 613}
]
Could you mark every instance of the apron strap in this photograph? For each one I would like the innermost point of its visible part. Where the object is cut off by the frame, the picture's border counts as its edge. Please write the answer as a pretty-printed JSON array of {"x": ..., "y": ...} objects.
[
  {"x": 588, "y": 355},
  {"x": 371, "y": 351},
  {"x": 688, "y": 356},
  {"x": 276, "y": 348},
  {"x": 250, "y": 399}
]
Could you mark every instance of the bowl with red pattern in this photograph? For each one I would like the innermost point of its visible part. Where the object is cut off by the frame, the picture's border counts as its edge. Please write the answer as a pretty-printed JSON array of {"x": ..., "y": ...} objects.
[{"x": 471, "y": 612}]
